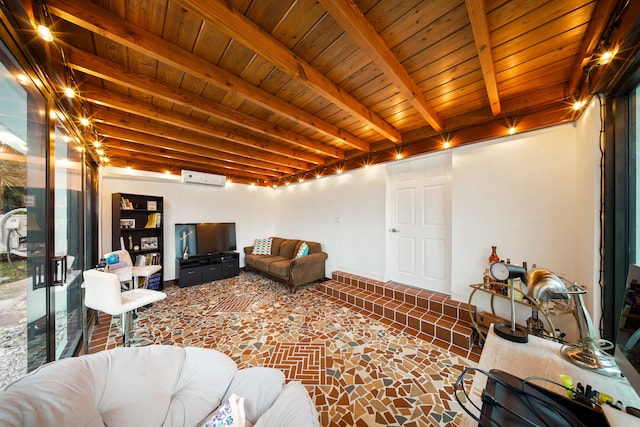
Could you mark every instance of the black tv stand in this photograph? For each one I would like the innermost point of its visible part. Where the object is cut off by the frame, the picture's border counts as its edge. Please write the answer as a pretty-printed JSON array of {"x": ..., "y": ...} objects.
[{"x": 199, "y": 269}]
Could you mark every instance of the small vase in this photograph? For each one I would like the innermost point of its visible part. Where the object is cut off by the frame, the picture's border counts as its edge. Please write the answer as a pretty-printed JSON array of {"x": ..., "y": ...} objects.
[{"x": 494, "y": 256}]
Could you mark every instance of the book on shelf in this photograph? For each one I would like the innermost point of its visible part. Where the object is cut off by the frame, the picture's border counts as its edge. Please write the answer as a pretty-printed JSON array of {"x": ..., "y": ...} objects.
[
  {"x": 153, "y": 220},
  {"x": 152, "y": 258},
  {"x": 125, "y": 204}
]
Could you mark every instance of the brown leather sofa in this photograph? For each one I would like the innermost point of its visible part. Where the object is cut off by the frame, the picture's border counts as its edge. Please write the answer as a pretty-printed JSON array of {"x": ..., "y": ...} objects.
[{"x": 282, "y": 265}]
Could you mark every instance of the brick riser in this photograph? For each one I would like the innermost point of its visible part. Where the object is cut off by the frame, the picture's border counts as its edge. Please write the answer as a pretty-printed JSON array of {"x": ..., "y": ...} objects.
[{"x": 431, "y": 316}]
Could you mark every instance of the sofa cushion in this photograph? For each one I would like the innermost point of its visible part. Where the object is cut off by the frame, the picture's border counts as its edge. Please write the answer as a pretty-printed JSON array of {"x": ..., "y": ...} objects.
[
  {"x": 259, "y": 386},
  {"x": 263, "y": 262},
  {"x": 303, "y": 250},
  {"x": 177, "y": 381},
  {"x": 276, "y": 244},
  {"x": 280, "y": 268},
  {"x": 292, "y": 408},
  {"x": 314, "y": 247},
  {"x": 35, "y": 400},
  {"x": 288, "y": 248},
  {"x": 262, "y": 247}
]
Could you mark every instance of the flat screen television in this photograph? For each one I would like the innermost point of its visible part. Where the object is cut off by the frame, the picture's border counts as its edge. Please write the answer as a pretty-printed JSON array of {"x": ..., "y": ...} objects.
[{"x": 206, "y": 238}]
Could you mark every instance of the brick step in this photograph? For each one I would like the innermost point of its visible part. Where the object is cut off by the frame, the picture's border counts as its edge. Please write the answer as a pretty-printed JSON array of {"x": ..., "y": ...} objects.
[{"x": 431, "y": 316}]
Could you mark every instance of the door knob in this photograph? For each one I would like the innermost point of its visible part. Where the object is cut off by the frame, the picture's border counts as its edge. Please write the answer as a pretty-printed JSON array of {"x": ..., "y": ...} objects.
[{"x": 394, "y": 230}]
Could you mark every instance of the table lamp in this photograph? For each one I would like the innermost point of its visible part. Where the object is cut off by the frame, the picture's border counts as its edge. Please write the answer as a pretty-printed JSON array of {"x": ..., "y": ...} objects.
[{"x": 589, "y": 352}]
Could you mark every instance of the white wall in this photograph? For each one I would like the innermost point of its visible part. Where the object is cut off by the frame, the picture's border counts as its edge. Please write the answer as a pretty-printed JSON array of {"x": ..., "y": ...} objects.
[
  {"x": 516, "y": 193},
  {"x": 535, "y": 196},
  {"x": 346, "y": 213}
]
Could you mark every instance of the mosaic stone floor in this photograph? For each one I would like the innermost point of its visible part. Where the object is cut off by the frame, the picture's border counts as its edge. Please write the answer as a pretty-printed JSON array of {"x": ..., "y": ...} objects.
[{"x": 358, "y": 371}]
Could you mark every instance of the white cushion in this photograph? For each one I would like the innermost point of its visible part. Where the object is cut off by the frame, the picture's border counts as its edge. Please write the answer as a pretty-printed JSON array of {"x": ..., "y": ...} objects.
[
  {"x": 293, "y": 407},
  {"x": 259, "y": 386},
  {"x": 59, "y": 393}
]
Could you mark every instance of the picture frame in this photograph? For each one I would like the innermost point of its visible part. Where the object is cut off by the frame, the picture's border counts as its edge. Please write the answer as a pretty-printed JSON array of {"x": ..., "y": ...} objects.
[
  {"x": 152, "y": 205},
  {"x": 148, "y": 243},
  {"x": 127, "y": 223}
]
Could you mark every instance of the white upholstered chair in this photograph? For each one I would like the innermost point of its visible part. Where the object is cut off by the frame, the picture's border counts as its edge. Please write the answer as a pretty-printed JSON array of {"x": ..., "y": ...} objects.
[{"x": 103, "y": 293}]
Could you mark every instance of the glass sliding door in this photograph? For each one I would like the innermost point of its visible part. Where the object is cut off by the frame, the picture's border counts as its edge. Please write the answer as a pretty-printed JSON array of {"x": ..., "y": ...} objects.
[
  {"x": 23, "y": 221},
  {"x": 68, "y": 261}
]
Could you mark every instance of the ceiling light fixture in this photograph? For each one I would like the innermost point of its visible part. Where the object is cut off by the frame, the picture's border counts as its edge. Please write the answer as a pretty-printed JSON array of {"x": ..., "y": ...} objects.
[
  {"x": 84, "y": 121},
  {"x": 96, "y": 143},
  {"x": 512, "y": 130},
  {"x": 446, "y": 145}
]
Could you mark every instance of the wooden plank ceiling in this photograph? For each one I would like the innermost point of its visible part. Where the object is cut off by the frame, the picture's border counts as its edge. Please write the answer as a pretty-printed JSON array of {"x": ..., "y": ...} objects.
[{"x": 273, "y": 91}]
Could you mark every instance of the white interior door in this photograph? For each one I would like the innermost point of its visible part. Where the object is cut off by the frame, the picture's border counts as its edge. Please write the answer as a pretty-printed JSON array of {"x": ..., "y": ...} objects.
[{"x": 419, "y": 201}]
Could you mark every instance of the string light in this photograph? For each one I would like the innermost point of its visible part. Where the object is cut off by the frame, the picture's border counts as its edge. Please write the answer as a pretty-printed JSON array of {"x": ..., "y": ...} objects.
[
  {"x": 45, "y": 33},
  {"x": 579, "y": 104}
]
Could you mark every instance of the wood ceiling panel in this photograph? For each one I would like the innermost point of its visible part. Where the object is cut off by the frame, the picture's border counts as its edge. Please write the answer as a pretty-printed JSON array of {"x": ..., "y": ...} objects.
[
  {"x": 539, "y": 20},
  {"x": 323, "y": 93},
  {"x": 184, "y": 29},
  {"x": 298, "y": 20},
  {"x": 148, "y": 14}
]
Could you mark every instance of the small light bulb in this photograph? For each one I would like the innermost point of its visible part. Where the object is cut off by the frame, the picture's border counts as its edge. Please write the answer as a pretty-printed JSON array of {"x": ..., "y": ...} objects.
[
  {"x": 398, "y": 156},
  {"x": 69, "y": 92},
  {"x": 578, "y": 105},
  {"x": 84, "y": 121},
  {"x": 446, "y": 145},
  {"x": 605, "y": 58},
  {"x": 45, "y": 33},
  {"x": 96, "y": 143},
  {"x": 23, "y": 79},
  {"x": 512, "y": 130}
]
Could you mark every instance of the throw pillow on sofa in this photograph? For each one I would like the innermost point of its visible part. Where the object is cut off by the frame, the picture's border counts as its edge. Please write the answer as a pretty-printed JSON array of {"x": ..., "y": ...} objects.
[
  {"x": 303, "y": 250},
  {"x": 262, "y": 247},
  {"x": 229, "y": 414}
]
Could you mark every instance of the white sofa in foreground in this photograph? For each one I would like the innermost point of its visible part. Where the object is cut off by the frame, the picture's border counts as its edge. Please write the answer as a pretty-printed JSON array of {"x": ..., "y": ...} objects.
[{"x": 151, "y": 386}]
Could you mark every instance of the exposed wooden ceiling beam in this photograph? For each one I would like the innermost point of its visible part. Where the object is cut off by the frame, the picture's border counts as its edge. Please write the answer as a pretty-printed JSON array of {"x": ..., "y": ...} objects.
[
  {"x": 476, "y": 9},
  {"x": 241, "y": 29},
  {"x": 197, "y": 145},
  {"x": 172, "y": 149},
  {"x": 116, "y": 73},
  {"x": 295, "y": 157},
  {"x": 124, "y": 156},
  {"x": 601, "y": 16},
  {"x": 114, "y": 28},
  {"x": 351, "y": 19}
]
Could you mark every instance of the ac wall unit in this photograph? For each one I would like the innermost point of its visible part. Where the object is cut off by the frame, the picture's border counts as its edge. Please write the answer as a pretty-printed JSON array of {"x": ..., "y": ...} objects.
[{"x": 192, "y": 177}]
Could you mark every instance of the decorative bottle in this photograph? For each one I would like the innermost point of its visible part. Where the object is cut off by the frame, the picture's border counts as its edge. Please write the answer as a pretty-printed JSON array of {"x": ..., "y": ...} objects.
[{"x": 494, "y": 256}]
